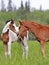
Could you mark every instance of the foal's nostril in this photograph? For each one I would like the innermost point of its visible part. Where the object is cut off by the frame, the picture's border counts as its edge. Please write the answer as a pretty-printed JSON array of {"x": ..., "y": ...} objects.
[{"x": 19, "y": 27}]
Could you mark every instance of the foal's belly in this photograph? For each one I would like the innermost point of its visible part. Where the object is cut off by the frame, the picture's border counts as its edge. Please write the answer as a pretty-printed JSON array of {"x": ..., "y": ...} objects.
[{"x": 43, "y": 35}]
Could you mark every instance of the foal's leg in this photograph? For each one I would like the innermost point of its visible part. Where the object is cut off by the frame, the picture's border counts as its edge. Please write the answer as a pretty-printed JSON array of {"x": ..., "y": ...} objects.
[
  {"x": 9, "y": 48},
  {"x": 6, "y": 49},
  {"x": 25, "y": 46},
  {"x": 22, "y": 45},
  {"x": 25, "y": 50},
  {"x": 42, "y": 48}
]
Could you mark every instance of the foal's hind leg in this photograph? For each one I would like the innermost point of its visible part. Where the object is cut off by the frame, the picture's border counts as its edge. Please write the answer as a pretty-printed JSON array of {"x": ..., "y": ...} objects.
[{"x": 42, "y": 48}]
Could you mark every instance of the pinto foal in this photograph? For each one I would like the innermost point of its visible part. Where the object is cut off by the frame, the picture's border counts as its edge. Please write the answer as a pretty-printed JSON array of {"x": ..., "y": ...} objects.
[
  {"x": 9, "y": 35},
  {"x": 41, "y": 32}
]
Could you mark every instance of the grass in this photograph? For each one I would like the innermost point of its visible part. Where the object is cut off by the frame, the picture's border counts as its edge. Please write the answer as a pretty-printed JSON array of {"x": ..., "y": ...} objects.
[{"x": 34, "y": 57}]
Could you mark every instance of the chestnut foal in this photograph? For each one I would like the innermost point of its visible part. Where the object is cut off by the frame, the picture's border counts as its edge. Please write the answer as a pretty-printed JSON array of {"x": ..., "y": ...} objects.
[{"x": 41, "y": 32}]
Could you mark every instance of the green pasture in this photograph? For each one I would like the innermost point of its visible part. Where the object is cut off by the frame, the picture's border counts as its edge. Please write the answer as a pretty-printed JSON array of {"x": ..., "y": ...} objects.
[{"x": 34, "y": 55}]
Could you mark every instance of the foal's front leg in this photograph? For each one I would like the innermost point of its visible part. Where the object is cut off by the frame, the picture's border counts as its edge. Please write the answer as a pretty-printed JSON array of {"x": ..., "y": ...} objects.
[
  {"x": 9, "y": 48},
  {"x": 6, "y": 49},
  {"x": 23, "y": 50},
  {"x": 25, "y": 47}
]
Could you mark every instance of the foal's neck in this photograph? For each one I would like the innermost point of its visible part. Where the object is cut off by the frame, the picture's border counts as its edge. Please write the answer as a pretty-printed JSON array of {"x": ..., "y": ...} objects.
[{"x": 33, "y": 27}]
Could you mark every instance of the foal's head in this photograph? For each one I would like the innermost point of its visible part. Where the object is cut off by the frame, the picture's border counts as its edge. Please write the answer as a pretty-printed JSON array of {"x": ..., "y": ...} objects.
[
  {"x": 12, "y": 26},
  {"x": 22, "y": 31}
]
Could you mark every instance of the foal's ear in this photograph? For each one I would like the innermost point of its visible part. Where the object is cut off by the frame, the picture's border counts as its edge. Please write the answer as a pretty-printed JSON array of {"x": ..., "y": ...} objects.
[
  {"x": 12, "y": 21},
  {"x": 20, "y": 21},
  {"x": 7, "y": 31}
]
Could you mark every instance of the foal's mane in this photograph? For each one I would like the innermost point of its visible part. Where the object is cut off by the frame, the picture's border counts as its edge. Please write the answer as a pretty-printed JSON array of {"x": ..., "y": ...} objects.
[
  {"x": 39, "y": 25},
  {"x": 7, "y": 21},
  {"x": 33, "y": 23},
  {"x": 36, "y": 24}
]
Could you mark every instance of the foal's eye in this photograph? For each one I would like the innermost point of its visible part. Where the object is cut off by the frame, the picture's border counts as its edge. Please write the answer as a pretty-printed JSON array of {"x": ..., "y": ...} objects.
[{"x": 13, "y": 26}]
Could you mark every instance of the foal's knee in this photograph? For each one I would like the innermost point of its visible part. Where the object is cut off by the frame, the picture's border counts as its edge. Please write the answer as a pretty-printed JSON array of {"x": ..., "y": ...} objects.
[
  {"x": 26, "y": 49},
  {"x": 6, "y": 53},
  {"x": 9, "y": 48}
]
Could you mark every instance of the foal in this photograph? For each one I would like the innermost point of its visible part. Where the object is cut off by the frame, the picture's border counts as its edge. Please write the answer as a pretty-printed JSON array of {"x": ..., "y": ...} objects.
[
  {"x": 41, "y": 32},
  {"x": 9, "y": 35}
]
